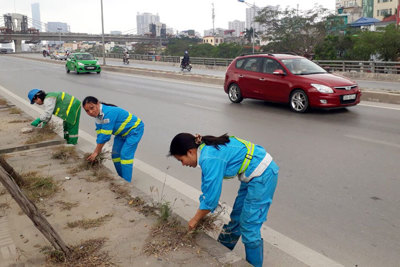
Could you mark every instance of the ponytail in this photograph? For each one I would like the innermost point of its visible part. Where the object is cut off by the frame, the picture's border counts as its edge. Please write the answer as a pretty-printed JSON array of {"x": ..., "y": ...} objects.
[{"x": 183, "y": 142}]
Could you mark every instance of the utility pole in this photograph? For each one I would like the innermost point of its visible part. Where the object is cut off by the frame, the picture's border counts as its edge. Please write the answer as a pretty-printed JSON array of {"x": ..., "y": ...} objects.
[
  {"x": 213, "y": 18},
  {"x": 102, "y": 34}
]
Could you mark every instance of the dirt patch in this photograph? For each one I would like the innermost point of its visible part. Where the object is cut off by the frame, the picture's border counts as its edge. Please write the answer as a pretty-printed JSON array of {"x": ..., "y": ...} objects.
[
  {"x": 15, "y": 111},
  {"x": 42, "y": 134},
  {"x": 65, "y": 153}
]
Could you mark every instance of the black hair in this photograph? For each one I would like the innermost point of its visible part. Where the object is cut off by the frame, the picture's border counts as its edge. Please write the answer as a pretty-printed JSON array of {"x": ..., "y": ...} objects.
[
  {"x": 41, "y": 94},
  {"x": 182, "y": 142},
  {"x": 92, "y": 99}
]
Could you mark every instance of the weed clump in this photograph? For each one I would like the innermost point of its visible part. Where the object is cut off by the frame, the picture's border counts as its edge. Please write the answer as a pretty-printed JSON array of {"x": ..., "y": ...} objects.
[
  {"x": 37, "y": 187},
  {"x": 67, "y": 205},
  {"x": 86, "y": 254},
  {"x": 89, "y": 223},
  {"x": 15, "y": 111},
  {"x": 65, "y": 153},
  {"x": 42, "y": 134},
  {"x": 3, "y": 102}
]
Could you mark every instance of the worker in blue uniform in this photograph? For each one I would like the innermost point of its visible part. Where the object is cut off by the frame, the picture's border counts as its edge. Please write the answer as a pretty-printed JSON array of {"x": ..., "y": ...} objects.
[
  {"x": 225, "y": 157},
  {"x": 126, "y": 127}
]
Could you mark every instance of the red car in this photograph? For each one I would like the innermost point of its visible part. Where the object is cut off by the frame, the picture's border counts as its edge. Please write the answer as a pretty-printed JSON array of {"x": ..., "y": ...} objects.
[{"x": 288, "y": 79}]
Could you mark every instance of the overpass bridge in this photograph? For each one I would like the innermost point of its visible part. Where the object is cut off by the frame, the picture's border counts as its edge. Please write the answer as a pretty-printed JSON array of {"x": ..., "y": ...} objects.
[
  {"x": 14, "y": 28},
  {"x": 36, "y": 37}
]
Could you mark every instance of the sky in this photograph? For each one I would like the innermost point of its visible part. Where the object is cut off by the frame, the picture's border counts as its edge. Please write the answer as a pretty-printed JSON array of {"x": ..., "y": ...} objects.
[{"x": 120, "y": 15}]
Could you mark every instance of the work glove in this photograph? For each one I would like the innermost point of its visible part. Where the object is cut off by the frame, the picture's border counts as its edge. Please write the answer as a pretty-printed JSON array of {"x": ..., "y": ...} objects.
[
  {"x": 36, "y": 122},
  {"x": 42, "y": 124}
]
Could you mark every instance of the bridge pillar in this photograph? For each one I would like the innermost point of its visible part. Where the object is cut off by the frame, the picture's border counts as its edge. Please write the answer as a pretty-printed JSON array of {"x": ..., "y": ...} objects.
[{"x": 18, "y": 46}]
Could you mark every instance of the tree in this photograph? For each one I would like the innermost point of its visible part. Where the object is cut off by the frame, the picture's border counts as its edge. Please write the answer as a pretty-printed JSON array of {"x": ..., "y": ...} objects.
[
  {"x": 293, "y": 30},
  {"x": 177, "y": 46},
  {"x": 389, "y": 47}
]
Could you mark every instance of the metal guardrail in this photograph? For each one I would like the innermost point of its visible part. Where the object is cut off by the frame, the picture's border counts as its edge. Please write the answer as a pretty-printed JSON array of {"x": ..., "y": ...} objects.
[{"x": 389, "y": 67}]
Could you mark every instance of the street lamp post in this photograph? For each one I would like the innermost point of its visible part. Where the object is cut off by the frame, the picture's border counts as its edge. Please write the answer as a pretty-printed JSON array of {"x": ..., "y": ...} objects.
[
  {"x": 102, "y": 34},
  {"x": 252, "y": 21},
  {"x": 59, "y": 34}
]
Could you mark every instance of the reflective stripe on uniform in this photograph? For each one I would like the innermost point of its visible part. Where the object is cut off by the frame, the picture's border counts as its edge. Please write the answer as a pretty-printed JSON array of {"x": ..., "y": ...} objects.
[
  {"x": 249, "y": 154},
  {"x": 62, "y": 96},
  {"x": 71, "y": 136},
  {"x": 126, "y": 161},
  {"x": 116, "y": 159},
  {"x": 106, "y": 132},
  {"x": 122, "y": 126},
  {"x": 133, "y": 127},
  {"x": 70, "y": 104},
  {"x": 58, "y": 110}
]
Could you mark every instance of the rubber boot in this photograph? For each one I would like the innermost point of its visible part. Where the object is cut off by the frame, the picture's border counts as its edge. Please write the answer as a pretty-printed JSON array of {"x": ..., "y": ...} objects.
[
  {"x": 229, "y": 240},
  {"x": 255, "y": 253}
]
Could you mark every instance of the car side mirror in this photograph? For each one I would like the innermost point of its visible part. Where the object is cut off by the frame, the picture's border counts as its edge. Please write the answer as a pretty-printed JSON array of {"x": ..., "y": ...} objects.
[{"x": 278, "y": 72}]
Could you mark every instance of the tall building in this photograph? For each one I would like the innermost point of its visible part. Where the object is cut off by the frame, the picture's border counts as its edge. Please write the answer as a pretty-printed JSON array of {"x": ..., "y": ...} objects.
[
  {"x": 251, "y": 13},
  {"x": 36, "y": 22},
  {"x": 58, "y": 27},
  {"x": 144, "y": 20},
  {"x": 238, "y": 26}
]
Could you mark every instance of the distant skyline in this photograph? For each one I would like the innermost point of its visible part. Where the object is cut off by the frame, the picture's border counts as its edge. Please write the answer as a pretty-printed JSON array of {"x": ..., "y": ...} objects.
[{"x": 120, "y": 15}]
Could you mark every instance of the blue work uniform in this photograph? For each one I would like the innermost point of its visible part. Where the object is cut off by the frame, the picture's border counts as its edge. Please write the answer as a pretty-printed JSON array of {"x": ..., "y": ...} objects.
[
  {"x": 127, "y": 129},
  {"x": 258, "y": 183}
]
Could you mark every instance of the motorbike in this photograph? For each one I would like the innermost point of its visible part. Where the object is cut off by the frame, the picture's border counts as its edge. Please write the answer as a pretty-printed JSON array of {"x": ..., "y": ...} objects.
[
  {"x": 125, "y": 60},
  {"x": 186, "y": 66}
]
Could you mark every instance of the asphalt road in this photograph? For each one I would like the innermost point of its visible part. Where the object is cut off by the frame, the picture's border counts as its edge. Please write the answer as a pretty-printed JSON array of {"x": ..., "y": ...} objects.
[{"x": 339, "y": 183}]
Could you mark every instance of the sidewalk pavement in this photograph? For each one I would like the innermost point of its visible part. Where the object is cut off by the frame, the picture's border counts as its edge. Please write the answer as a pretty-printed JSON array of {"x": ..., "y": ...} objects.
[{"x": 89, "y": 205}]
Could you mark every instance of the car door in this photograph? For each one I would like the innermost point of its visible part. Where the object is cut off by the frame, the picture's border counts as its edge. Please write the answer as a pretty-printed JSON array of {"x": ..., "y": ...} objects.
[
  {"x": 275, "y": 87},
  {"x": 248, "y": 78}
]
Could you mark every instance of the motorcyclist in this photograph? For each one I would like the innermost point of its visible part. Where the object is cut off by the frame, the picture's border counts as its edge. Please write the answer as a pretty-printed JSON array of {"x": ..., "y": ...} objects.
[
  {"x": 126, "y": 57},
  {"x": 185, "y": 59}
]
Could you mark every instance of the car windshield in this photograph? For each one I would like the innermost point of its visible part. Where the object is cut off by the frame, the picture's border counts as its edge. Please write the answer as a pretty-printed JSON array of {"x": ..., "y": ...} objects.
[
  {"x": 302, "y": 66},
  {"x": 84, "y": 57}
]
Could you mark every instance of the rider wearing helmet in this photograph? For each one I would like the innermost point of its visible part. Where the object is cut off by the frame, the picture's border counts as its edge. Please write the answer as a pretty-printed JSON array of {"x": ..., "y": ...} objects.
[{"x": 185, "y": 59}]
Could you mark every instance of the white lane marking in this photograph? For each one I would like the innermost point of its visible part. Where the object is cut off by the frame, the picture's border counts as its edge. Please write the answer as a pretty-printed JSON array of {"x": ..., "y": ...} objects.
[
  {"x": 372, "y": 140},
  {"x": 202, "y": 107},
  {"x": 375, "y": 106},
  {"x": 276, "y": 239}
]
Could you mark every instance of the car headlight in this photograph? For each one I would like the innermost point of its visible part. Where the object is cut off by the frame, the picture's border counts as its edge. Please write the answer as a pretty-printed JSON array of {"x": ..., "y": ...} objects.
[
  {"x": 81, "y": 64},
  {"x": 322, "y": 88}
]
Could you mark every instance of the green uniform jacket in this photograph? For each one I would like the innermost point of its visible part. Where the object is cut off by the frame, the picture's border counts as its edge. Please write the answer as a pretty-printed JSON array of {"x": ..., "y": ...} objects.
[{"x": 67, "y": 106}]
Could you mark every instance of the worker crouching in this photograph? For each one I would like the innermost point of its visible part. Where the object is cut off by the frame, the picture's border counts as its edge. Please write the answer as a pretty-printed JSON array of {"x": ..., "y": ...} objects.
[
  {"x": 62, "y": 105},
  {"x": 126, "y": 127}
]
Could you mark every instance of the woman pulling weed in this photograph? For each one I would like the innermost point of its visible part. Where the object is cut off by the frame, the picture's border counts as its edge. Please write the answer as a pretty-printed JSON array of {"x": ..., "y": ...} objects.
[
  {"x": 127, "y": 128},
  {"x": 61, "y": 104},
  {"x": 225, "y": 157}
]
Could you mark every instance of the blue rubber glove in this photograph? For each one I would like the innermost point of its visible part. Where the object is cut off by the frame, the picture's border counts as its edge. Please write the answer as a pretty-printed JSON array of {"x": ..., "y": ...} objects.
[{"x": 36, "y": 122}]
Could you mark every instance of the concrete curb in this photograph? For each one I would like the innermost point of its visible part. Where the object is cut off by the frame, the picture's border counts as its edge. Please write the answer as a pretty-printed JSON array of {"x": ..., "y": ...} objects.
[
  {"x": 31, "y": 146},
  {"x": 367, "y": 95}
]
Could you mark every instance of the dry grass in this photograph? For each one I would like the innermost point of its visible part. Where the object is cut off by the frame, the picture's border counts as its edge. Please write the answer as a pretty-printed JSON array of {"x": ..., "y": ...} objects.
[
  {"x": 42, "y": 134},
  {"x": 37, "y": 187},
  {"x": 19, "y": 121},
  {"x": 65, "y": 153},
  {"x": 90, "y": 223},
  {"x": 95, "y": 166},
  {"x": 3, "y": 102},
  {"x": 15, "y": 111},
  {"x": 86, "y": 254},
  {"x": 67, "y": 205},
  {"x": 167, "y": 236}
]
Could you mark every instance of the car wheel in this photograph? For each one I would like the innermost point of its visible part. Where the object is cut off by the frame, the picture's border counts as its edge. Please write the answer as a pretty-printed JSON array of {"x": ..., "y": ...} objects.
[
  {"x": 98, "y": 72},
  {"x": 299, "y": 101},
  {"x": 67, "y": 70},
  {"x": 234, "y": 93}
]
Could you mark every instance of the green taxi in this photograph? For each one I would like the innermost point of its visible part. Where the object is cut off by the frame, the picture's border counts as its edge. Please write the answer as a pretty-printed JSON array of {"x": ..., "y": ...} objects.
[{"x": 82, "y": 62}]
